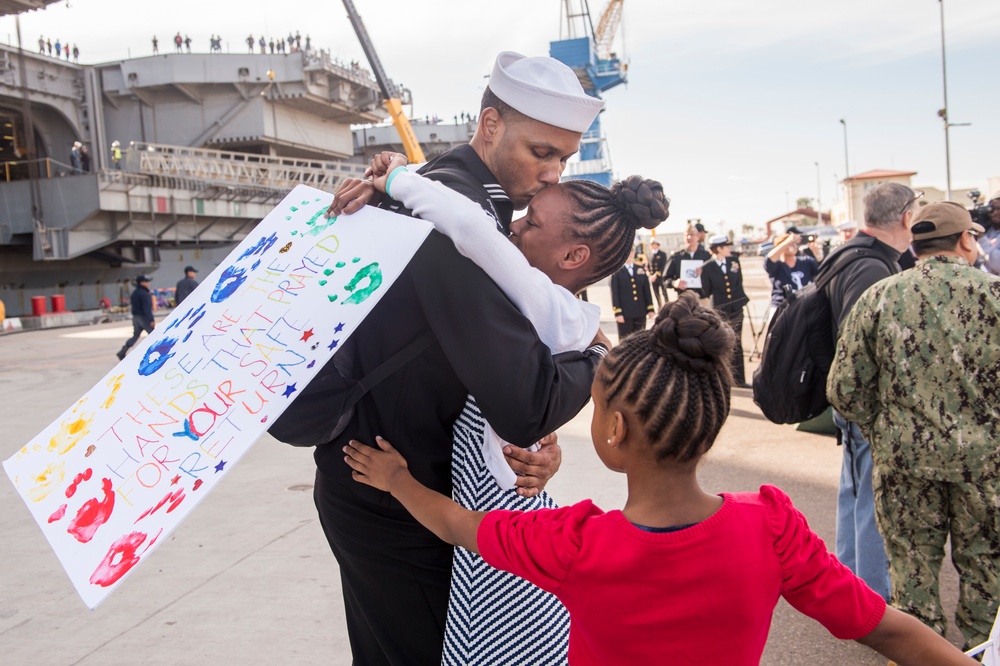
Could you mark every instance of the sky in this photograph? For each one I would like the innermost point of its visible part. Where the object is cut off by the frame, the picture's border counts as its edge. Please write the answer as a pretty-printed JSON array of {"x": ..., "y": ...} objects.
[{"x": 735, "y": 106}]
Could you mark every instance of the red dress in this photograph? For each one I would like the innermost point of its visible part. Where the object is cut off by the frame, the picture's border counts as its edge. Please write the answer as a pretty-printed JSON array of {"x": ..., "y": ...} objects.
[{"x": 701, "y": 595}]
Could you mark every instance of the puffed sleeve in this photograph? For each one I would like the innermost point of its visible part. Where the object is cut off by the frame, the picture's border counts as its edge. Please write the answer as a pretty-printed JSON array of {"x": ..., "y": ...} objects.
[
  {"x": 814, "y": 582},
  {"x": 539, "y": 546}
]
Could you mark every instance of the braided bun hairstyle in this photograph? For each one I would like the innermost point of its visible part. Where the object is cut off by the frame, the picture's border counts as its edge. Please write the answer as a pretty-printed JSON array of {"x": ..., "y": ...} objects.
[
  {"x": 607, "y": 219},
  {"x": 674, "y": 379}
]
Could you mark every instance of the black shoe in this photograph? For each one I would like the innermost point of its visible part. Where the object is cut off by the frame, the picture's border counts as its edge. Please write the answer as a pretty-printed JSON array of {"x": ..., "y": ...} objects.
[{"x": 121, "y": 354}]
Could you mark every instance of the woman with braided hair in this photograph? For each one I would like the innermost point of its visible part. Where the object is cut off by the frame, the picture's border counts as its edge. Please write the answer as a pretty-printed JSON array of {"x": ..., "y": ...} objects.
[
  {"x": 573, "y": 235},
  {"x": 679, "y": 575}
]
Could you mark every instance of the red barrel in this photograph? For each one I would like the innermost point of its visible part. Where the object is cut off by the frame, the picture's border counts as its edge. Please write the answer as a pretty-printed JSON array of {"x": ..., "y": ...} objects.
[
  {"x": 38, "y": 306},
  {"x": 58, "y": 303}
]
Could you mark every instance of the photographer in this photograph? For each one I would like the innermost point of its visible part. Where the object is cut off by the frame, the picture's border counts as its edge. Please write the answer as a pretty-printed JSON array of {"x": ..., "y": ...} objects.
[{"x": 989, "y": 242}]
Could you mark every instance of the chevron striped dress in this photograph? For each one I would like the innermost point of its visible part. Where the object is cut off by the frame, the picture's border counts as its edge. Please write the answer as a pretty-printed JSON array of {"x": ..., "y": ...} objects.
[{"x": 495, "y": 617}]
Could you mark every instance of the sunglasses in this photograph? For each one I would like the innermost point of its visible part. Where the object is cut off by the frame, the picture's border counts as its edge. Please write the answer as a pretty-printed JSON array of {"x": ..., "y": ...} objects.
[{"x": 917, "y": 195}]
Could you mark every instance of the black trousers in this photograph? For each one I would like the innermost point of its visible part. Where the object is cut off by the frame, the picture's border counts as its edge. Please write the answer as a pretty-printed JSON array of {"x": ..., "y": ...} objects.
[
  {"x": 395, "y": 574},
  {"x": 631, "y": 325},
  {"x": 735, "y": 320},
  {"x": 660, "y": 293},
  {"x": 139, "y": 324}
]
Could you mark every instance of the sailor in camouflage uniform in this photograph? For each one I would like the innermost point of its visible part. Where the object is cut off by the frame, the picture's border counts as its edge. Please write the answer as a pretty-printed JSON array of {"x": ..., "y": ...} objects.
[{"x": 918, "y": 367}]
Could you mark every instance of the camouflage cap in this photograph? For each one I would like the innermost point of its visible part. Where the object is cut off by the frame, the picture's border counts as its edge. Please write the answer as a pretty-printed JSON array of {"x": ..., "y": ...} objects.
[{"x": 942, "y": 218}]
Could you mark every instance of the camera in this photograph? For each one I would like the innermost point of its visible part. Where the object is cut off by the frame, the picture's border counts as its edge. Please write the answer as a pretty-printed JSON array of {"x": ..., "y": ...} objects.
[{"x": 981, "y": 213}]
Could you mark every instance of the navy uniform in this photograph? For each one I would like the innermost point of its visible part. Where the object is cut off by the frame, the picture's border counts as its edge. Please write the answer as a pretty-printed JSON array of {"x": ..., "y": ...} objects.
[
  {"x": 657, "y": 269},
  {"x": 673, "y": 273},
  {"x": 186, "y": 285},
  {"x": 631, "y": 298},
  {"x": 143, "y": 319},
  {"x": 722, "y": 281}
]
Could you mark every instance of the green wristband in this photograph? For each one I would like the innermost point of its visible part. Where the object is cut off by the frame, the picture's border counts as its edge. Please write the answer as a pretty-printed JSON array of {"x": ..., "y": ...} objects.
[{"x": 388, "y": 181}]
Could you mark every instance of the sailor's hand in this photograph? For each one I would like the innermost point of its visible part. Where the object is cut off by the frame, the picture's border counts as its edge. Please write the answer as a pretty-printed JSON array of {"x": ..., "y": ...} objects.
[
  {"x": 352, "y": 195},
  {"x": 534, "y": 468},
  {"x": 681, "y": 285}
]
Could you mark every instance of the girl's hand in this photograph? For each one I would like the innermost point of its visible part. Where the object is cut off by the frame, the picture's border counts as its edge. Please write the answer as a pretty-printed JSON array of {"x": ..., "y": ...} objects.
[
  {"x": 379, "y": 467},
  {"x": 352, "y": 195}
]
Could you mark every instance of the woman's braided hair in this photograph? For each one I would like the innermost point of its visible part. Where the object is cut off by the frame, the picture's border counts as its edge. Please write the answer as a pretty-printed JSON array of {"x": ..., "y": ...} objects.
[
  {"x": 675, "y": 378},
  {"x": 607, "y": 219}
]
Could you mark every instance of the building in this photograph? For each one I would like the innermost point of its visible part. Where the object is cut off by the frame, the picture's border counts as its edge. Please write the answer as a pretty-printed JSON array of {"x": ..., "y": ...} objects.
[
  {"x": 851, "y": 207},
  {"x": 800, "y": 218}
]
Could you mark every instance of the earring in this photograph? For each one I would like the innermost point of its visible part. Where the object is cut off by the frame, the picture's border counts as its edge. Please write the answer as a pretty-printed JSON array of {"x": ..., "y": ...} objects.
[{"x": 609, "y": 440}]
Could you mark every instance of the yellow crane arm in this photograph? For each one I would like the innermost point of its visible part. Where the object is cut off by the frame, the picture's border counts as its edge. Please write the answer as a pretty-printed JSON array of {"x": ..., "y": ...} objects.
[
  {"x": 414, "y": 153},
  {"x": 607, "y": 26}
]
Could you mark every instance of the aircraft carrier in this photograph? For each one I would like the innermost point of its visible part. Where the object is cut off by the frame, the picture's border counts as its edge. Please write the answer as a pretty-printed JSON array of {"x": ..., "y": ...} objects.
[{"x": 209, "y": 143}]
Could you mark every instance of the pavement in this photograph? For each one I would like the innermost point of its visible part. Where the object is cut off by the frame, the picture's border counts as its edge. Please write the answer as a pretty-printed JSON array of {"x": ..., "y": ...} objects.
[{"x": 248, "y": 578}]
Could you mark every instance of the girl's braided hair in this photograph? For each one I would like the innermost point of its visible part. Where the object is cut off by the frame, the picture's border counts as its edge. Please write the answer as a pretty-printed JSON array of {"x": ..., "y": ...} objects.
[{"x": 675, "y": 378}]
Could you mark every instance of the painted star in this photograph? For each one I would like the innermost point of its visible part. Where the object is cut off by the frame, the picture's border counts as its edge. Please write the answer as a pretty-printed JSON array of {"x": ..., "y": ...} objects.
[
  {"x": 290, "y": 389},
  {"x": 339, "y": 328},
  {"x": 306, "y": 335},
  {"x": 218, "y": 468},
  {"x": 174, "y": 481},
  {"x": 332, "y": 344}
]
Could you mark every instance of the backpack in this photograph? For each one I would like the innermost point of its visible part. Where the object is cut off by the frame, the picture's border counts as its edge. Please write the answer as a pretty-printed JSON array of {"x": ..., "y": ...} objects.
[{"x": 789, "y": 386}]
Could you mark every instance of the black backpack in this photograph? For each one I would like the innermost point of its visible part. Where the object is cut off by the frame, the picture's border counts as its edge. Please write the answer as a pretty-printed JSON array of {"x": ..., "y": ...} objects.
[{"x": 790, "y": 384}]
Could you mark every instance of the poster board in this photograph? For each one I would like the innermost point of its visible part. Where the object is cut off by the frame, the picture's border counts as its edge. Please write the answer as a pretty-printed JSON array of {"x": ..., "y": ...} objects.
[
  {"x": 691, "y": 272},
  {"x": 119, "y": 470}
]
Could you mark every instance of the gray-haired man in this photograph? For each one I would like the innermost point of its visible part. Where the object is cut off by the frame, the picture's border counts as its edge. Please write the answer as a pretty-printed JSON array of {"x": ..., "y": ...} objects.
[{"x": 882, "y": 237}]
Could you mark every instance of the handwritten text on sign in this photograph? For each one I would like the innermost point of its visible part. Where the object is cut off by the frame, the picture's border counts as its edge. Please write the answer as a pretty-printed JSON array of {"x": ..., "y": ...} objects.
[{"x": 120, "y": 469}]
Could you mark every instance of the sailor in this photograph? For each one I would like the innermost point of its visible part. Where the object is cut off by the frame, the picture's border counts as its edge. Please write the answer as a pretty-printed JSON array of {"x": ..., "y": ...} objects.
[
  {"x": 657, "y": 268},
  {"x": 142, "y": 313},
  {"x": 722, "y": 281},
  {"x": 395, "y": 574},
  {"x": 186, "y": 285},
  {"x": 692, "y": 251},
  {"x": 631, "y": 299}
]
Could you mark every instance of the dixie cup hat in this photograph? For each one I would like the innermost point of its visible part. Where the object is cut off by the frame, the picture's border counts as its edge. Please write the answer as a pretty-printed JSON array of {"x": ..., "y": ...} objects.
[
  {"x": 545, "y": 90},
  {"x": 943, "y": 218}
]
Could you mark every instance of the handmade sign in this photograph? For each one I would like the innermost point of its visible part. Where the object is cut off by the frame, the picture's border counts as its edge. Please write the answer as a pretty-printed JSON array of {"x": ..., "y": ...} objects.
[
  {"x": 121, "y": 468},
  {"x": 691, "y": 272}
]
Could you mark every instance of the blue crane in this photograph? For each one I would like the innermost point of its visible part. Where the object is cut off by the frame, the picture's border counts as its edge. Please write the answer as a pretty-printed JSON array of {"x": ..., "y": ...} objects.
[{"x": 599, "y": 69}]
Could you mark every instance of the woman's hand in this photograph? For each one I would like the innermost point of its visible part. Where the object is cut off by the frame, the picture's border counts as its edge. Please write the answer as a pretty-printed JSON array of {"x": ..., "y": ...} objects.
[
  {"x": 383, "y": 164},
  {"x": 378, "y": 468}
]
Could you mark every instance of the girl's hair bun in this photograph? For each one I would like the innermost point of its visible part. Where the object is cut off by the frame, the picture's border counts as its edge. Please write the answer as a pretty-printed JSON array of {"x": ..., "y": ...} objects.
[{"x": 694, "y": 337}]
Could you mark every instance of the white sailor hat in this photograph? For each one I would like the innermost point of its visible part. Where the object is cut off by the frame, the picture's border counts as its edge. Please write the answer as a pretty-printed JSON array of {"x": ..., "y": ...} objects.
[
  {"x": 545, "y": 90},
  {"x": 717, "y": 241},
  {"x": 850, "y": 225}
]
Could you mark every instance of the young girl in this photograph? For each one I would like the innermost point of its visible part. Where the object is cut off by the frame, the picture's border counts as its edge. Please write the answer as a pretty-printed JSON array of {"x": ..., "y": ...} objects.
[
  {"x": 678, "y": 576},
  {"x": 573, "y": 235}
]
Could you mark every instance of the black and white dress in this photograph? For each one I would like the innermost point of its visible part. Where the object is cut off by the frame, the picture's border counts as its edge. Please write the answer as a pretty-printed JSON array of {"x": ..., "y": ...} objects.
[{"x": 495, "y": 617}]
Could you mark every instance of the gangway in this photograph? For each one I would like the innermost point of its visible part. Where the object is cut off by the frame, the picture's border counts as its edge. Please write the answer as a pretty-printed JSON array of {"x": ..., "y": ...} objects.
[{"x": 205, "y": 167}]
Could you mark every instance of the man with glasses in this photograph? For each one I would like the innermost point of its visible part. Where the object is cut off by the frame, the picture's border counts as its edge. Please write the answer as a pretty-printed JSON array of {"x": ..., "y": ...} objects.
[
  {"x": 882, "y": 238},
  {"x": 916, "y": 368}
]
